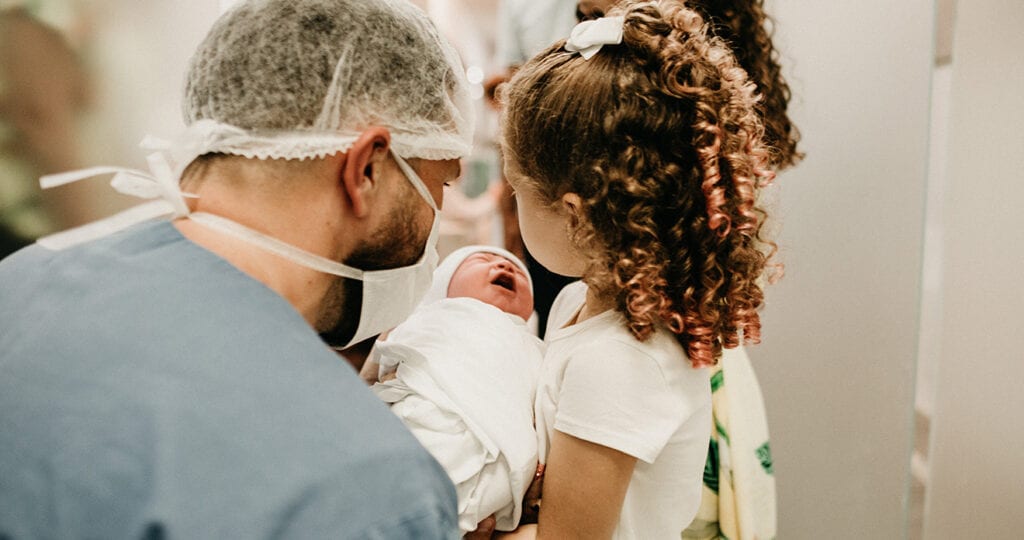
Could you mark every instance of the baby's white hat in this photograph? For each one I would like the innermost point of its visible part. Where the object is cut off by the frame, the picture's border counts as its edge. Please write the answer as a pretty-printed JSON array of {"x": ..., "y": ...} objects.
[{"x": 444, "y": 272}]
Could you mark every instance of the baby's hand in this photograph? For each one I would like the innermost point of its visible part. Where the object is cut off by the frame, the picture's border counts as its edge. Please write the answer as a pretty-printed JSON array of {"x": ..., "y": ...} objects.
[{"x": 531, "y": 501}]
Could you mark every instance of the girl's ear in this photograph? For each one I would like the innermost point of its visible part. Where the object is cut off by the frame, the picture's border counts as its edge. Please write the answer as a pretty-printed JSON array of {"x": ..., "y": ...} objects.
[{"x": 572, "y": 204}]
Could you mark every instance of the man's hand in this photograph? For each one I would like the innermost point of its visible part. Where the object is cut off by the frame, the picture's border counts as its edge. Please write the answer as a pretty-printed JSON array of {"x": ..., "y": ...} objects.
[
  {"x": 484, "y": 530},
  {"x": 523, "y": 532},
  {"x": 369, "y": 372},
  {"x": 371, "y": 367}
]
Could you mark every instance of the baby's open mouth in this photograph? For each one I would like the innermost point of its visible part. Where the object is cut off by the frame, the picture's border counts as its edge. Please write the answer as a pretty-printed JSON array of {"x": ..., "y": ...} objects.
[{"x": 505, "y": 281}]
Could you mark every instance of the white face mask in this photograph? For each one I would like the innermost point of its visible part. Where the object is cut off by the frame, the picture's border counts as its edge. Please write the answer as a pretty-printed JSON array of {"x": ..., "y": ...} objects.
[{"x": 389, "y": 296}]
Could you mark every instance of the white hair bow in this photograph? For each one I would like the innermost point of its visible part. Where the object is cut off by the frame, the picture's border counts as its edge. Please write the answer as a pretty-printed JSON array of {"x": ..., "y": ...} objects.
[{"x": 589, "y": 36}]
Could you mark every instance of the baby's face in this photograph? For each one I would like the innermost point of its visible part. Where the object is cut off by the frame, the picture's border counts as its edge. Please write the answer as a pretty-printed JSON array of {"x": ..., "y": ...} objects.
[{"x": 493, "y": 279}]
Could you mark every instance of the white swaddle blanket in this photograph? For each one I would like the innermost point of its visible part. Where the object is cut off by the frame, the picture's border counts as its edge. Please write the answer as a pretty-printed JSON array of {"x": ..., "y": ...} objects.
[{"x": 466, "y": 374}]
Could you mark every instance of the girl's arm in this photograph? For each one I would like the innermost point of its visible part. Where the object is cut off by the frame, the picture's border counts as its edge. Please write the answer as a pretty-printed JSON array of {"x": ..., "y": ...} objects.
[{"x": 584, "y": 486}]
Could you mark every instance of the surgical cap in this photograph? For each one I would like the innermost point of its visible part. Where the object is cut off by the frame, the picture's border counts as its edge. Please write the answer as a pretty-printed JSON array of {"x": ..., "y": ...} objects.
[{"x": 296, "y": 79}]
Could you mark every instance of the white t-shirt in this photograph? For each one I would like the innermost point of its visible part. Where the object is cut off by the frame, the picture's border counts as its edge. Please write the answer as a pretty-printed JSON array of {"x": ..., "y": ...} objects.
[{"x": 600, "y": 384}]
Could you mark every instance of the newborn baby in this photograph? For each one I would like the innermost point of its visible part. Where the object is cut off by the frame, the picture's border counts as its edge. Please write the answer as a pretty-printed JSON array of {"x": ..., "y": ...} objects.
[{"x": 464, "y": 371}]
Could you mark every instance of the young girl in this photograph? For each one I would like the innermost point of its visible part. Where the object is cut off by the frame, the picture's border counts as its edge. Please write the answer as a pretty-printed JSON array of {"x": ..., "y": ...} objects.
[
  {"x": 738, "y": 500},
  {"x": 636, "y": 154}
]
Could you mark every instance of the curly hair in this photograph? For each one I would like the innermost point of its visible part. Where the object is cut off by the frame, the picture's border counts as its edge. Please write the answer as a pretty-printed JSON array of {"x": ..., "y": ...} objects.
[
  {"x": 745, "y": 26},
  {"x": 747, "y": 29},
  {"x": 661, "y": 139}
]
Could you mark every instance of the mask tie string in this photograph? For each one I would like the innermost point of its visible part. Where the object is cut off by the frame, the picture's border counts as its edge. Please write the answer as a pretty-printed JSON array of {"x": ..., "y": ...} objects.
[{"x": 159, "y": 187}]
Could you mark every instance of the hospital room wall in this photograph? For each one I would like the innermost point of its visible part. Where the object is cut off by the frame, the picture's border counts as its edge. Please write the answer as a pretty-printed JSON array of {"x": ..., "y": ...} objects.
[
  {"x": 840, "y": 329},
  {"x": 976, "y": 484},
  {"x": 137, "y": 58},
  {"x": 107, "y": 73}
]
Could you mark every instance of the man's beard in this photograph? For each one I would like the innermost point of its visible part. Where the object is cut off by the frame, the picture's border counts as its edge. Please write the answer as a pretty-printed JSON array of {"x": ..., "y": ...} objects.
[{"x": 399, "y": 242}]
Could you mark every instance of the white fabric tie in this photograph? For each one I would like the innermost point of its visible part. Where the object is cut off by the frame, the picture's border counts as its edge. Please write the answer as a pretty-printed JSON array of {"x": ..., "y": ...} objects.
[
  {"x": 160, "y": 185},
  {"x": 168, "y": 161},
  {"x": 589, "y": 36}
]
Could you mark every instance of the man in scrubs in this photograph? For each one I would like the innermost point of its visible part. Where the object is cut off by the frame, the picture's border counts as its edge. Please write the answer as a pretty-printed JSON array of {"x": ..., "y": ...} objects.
[{"x": 168, "y": 372}]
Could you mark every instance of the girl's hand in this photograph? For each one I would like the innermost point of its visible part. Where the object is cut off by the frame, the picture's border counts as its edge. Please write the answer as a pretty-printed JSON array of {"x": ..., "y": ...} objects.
[{"x": 531, "y": 501}]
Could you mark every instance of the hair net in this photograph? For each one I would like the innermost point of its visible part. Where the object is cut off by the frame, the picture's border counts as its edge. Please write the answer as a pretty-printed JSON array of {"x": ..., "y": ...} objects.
[
  {"x": 446, "y": 270},
  {"x": 298, "y": 79}
]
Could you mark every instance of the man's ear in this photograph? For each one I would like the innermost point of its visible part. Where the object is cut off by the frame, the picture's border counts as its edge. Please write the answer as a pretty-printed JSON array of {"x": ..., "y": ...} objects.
[{"x": 364, "y": 165}]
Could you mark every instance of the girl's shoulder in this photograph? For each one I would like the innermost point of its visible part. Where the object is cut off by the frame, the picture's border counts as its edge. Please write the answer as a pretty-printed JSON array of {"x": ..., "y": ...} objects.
[
  {"x": 651, "y": 385},
  {"x": 605, "y": 344},
  {"x": 566, "y": 304}
]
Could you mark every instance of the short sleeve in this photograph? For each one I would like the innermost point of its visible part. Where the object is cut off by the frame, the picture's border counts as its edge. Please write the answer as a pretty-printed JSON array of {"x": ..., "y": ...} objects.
[{"x": 616, "y": 395}]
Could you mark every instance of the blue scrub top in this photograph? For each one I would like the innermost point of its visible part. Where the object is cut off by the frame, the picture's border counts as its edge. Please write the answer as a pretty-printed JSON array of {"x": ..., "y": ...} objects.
[{"x": 149, "y": 389}]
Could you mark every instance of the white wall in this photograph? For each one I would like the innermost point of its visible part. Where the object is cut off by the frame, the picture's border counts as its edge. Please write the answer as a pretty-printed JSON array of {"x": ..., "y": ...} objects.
[
  {"x": 976, "y": 484},
  {"x": 137, "y": 53},
  {"x": 840, "y": 336}
]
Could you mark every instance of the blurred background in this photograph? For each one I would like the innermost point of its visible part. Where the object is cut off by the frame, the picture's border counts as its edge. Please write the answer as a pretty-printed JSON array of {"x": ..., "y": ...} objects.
[{"x": 892, "y": 366}]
